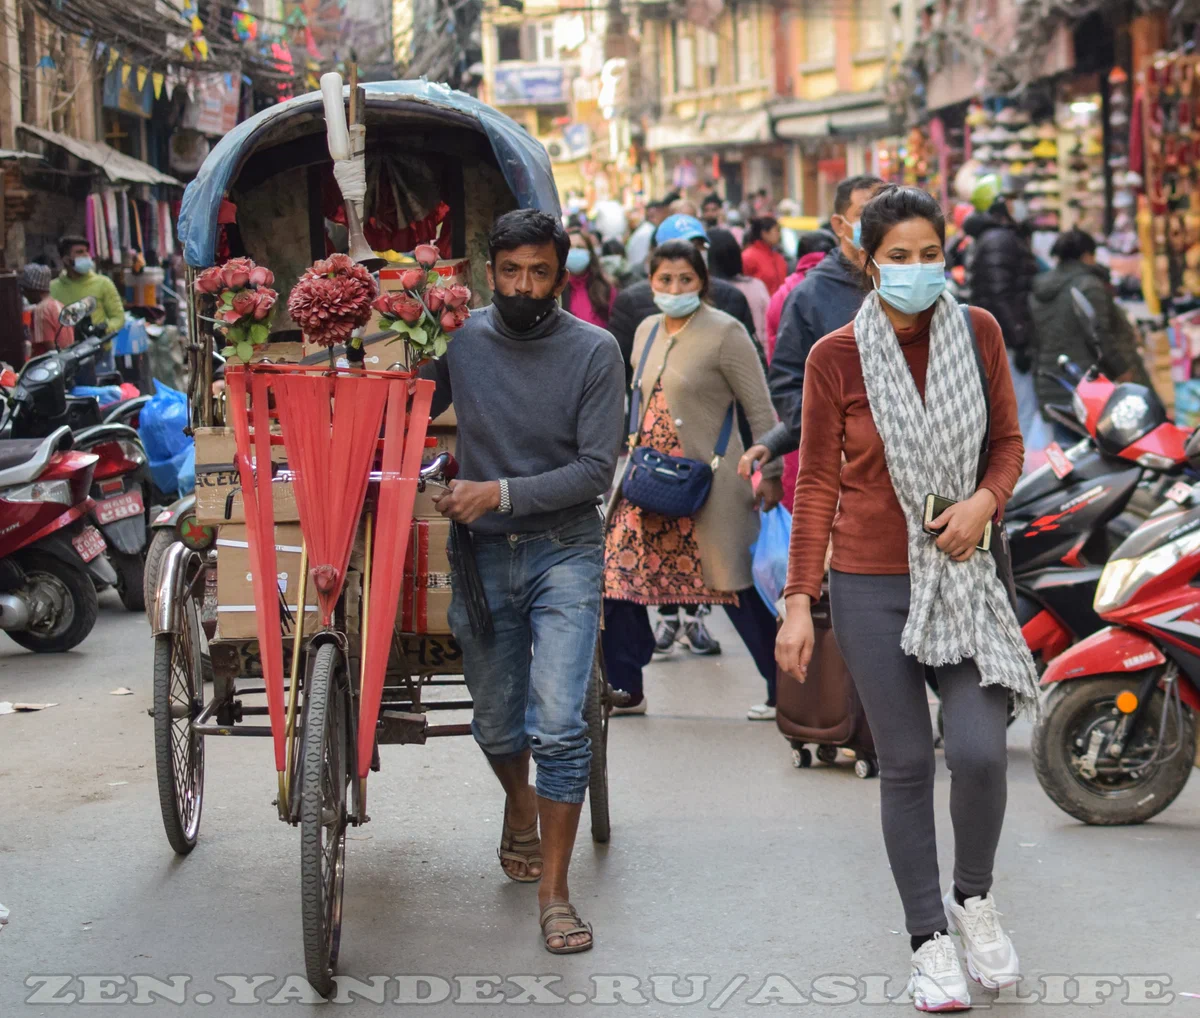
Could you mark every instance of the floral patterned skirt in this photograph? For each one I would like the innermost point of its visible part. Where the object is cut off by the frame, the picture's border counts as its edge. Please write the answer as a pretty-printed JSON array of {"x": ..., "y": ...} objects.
[{"x": 652, "y": 559}]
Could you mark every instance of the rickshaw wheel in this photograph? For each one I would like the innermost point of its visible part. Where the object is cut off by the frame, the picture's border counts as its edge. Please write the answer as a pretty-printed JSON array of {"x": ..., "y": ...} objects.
[
  {"x": 595, "y": 713},
  {"x": 178, "y": 750},
  {"x": 326, "y": 770}
]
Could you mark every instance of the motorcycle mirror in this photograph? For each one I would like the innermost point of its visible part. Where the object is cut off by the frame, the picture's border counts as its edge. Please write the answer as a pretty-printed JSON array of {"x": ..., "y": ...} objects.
[{"x": 73, "y": 314}]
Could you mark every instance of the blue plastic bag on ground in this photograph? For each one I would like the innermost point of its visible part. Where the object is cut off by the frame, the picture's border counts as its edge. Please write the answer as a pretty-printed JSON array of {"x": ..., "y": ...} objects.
[
  {"x": 170, "y": 452},
  {"x": 770, "y": 555}
]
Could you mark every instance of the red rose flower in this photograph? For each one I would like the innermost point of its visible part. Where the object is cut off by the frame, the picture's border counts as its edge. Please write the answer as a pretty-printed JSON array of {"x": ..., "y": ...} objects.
[
  {"x": 209, "y": 281},
  {"x": 383, "y": 304},
  {"x": 264, "y": 300},
  {"x": 461, "y": 315},
  {"x": 406, "y": 307},
  {"x": 449, "y": 321},
  {"x": 244, "y": 302},
  {"x": 411, "y": 279},
  {"x": 260, "y": 275},
  {"x": 457, "y": 296},
  {"x": 235, "y": 273},
  {"x": 435, "y": 299},
  {"x": 426, "y": 255}
]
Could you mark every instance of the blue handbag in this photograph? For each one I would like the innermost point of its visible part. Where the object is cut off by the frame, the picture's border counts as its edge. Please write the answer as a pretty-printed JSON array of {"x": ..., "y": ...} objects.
[{"x": 673, "y": 486}]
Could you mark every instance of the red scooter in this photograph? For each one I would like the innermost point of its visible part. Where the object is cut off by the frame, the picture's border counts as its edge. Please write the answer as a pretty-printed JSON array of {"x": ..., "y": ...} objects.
[
  {"x": 1117, "y": 738},
  {"x": 51, "y": 559}
]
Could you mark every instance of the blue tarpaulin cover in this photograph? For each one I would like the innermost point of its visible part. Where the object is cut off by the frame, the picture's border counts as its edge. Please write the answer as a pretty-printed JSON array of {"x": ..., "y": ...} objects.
[{"x": 521, "y": 158}]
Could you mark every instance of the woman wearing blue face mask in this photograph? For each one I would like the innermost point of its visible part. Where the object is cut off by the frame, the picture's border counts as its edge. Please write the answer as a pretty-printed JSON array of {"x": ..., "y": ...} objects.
[
  {"x": 695, "y": 367},
  {"x": 590, "y": 293},
  {"x": 914, "y": 398}
]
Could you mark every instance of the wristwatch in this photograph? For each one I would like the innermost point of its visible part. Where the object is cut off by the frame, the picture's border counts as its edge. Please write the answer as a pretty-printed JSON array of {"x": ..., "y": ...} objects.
[{"x": 505, "y": 506}]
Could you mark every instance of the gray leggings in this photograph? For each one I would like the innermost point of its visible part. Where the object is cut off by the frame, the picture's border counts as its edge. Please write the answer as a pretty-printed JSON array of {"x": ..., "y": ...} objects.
[{"x": 869, "y": 613}]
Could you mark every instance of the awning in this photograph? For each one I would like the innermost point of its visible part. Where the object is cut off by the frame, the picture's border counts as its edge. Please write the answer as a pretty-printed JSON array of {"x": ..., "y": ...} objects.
[
  {"x": 711, "y": 130},
  {"x": 857, "y": 113},
  {"x": 8, "y": 153},
  {"x": 117, "y": 166}
]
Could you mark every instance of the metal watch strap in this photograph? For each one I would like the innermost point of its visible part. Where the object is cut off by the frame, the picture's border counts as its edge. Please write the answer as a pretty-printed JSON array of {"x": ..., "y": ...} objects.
[{"x": 505, "y": 507}]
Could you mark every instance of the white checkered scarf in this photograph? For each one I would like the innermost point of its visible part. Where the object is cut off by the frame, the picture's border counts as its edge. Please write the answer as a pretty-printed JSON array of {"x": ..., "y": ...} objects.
[{"x": 958, "y": 610}]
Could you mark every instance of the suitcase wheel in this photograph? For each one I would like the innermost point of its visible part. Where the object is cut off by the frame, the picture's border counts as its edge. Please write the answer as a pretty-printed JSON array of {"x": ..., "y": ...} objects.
[
  {"x": 827, "y": 754},
  {"x": 866, "y": 768},
  {"x": 801, "y": 757}
]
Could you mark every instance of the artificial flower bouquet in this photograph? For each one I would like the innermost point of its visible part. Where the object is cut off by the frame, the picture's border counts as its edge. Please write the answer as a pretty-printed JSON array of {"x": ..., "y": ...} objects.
[
  {"x": 244, "y": 302},
  {"x": 424, "y": 313}
]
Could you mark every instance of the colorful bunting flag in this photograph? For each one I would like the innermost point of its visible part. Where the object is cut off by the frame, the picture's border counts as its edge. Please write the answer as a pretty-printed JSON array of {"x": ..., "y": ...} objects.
[
  {"x": 47, "y": 63},
  {"x": 202, "y": 47},
  {"x": 113, "y": 57},
  {"x": 141, "y": 78},
  {"x": 125, "y": 69},
  {"x": 158, "y": 78}
]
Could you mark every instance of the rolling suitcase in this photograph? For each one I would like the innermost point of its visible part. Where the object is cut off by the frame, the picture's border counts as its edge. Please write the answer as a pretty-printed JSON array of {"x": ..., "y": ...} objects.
[{"x": 825, "y": 709}]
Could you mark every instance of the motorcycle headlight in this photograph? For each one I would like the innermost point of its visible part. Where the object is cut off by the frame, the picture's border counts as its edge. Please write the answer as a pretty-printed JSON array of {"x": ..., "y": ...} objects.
[
  {"x": 40, "y": 491},
  {"x": 1123, "y": 576}
]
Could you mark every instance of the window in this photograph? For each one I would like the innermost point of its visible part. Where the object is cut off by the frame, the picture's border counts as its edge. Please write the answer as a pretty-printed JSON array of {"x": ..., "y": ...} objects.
[
  {"x": 685, "y": 60},
  {"x": 745, "y": 40},
  {"x": 872, "y": 32},
  {"x": 707, "y": 56},
  {"x": 508, "y": 42},
  {"x": 820, "y": 46},
  {"x": 544, "y": 49}
]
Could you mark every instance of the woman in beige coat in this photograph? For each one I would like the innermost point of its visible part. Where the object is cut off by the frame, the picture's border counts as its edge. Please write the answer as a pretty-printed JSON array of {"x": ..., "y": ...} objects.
[{"x": 701, "y": 363}]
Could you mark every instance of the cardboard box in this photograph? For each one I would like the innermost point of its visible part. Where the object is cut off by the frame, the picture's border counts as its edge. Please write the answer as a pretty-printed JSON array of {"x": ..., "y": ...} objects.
[
  {"x": 217, "y": 476},
  {"x": 426, "y": 592},
  {"x": 454, "y": 271},
  {"x": 236, "y": 619}
]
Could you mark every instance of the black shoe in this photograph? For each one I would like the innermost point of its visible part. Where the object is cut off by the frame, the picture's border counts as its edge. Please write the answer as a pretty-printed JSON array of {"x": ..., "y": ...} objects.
[
  {"x": 624, "y": 703},
  {"x": 665, "y": 635},
  {"x": 699, "y": 639}
]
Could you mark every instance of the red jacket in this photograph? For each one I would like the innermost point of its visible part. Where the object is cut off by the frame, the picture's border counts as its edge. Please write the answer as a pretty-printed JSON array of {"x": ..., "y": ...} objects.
[{"x": 764, "y": 262}]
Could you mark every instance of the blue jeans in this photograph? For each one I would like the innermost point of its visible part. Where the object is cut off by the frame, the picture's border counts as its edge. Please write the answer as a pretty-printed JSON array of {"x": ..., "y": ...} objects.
[{"x": 529, "y": 680}]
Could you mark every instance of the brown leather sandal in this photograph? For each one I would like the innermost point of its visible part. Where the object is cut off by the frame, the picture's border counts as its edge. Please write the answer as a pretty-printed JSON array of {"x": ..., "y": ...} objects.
[
  {"x": 524, "y": 847},
  {"x": 559, "y": 911}
]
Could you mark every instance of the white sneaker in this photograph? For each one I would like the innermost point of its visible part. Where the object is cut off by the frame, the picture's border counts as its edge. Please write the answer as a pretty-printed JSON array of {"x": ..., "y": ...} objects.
[
  {"x": 937, "y": 982},
  {"x": 991, "y": 957},
  {"x": 761, "y": 712}
]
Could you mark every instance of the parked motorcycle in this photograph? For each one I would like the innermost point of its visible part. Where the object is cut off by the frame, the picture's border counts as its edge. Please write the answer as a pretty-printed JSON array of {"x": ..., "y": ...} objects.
[
  {"x": 51, "y": 558},
  {"x": 40, "y": 402},
  {"x": 1065, "y": 519},
  {"x": 1117, "y": 738}
]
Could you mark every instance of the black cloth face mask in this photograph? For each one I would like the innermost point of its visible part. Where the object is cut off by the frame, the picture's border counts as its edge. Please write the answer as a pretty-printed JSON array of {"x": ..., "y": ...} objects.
[{"x": 521, "y": 313}]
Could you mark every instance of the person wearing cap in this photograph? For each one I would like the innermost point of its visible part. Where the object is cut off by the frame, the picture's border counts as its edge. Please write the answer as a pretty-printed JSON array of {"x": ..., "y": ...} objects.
[
  {"x": 45, "y": 333},
  {"x": 635, "y": 303}
]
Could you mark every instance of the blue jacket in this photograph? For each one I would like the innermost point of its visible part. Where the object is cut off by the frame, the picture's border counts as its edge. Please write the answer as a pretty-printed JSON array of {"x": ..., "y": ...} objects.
[{"x": 825, "y": 300}]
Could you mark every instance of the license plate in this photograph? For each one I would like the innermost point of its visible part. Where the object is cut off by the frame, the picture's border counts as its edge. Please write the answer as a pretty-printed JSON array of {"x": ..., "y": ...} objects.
[
  {"x": 1058, "y": 460},
  {"x": 89, "y": 543},
  {"x": 1180, "y": 493},
  {"x": 118, "y": 508}
]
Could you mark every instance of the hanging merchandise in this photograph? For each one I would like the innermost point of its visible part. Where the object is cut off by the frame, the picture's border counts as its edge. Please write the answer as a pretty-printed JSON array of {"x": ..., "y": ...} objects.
[
  {"x": 1006, "y": 141},
  {"x": 113, "y": 225},
  {"x": 1081, "y": 142}
]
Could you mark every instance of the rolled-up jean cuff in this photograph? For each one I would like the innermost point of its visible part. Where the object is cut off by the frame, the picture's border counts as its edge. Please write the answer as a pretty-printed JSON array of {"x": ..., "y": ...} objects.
[
  {"x": 498, "y": 755},
  {"x": 561, "y": 787}
]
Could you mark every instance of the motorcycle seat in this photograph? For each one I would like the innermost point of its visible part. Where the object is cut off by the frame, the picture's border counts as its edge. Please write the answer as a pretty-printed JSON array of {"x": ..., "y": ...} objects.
[{"x": 23, "y": 459}]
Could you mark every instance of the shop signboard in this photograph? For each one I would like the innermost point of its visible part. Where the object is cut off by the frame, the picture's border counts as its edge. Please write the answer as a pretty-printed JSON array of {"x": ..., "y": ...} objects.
[
  {"x": 529, "y": 85},
  {"x": 215, "y": 107}
]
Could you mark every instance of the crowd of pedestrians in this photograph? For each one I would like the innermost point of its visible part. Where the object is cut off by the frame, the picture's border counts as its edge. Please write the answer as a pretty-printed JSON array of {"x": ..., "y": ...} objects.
[{"x": 842, "y": 377}]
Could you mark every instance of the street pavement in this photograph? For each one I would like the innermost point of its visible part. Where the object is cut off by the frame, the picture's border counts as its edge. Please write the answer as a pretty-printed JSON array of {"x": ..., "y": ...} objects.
[{"x": 750, "y": 881}]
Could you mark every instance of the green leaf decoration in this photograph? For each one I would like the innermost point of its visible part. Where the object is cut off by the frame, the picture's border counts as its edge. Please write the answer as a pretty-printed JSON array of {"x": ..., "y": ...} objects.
[
  {"x": 419, "y": 336},
  {"x": 439, "y": 346},
  {"x": 433, "y": 278},
  {"x": 245, "y": 351},
  {"x": 226, "y": 296},
  {"x": 235, "y": 334},
  {"x": 229, "y": 351},
  {"x": 258, "y": 333}
]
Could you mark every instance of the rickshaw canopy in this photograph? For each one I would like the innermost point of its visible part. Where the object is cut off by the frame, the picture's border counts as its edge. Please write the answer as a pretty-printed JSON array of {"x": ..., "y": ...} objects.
[{"x": 520, "y": 158}]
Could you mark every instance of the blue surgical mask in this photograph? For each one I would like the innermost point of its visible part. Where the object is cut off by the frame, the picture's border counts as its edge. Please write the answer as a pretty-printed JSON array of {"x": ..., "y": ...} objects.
[
  {"x": 913, "y": 287},
  {"x": 677, "y": 305},
  {"x": 856, "y": 237},
  {"x": 577, "y": 261},
  {"x": 84, "y": 265}
]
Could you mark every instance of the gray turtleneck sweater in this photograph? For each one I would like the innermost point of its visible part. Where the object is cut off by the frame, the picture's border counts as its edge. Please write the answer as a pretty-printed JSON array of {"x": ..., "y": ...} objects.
[{"x": 544, "y": 409}]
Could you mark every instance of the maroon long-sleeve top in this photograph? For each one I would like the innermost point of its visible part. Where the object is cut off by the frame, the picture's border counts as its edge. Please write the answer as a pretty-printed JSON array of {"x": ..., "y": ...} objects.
[{"x": 855, "y": 500}]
